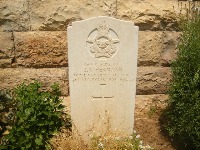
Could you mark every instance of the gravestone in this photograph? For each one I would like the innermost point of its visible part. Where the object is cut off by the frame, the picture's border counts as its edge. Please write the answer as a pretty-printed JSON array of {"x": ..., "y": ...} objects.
[{"x": 102, "y": 59}]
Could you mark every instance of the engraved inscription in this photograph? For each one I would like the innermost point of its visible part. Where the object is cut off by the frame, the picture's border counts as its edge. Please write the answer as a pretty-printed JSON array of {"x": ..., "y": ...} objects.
[
  {"x": 102, "y": 44},
  {"x": 103, "y": 72}
]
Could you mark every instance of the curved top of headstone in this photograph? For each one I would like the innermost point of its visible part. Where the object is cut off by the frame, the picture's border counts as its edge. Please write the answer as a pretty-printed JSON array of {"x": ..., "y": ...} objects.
[
  {"x": 103, "y": 17},
  {"x": 103, "y": 34}
]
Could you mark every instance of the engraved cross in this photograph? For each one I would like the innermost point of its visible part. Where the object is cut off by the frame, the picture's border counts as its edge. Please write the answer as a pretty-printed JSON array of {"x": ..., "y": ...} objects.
[{"x": 101, "y": 94}]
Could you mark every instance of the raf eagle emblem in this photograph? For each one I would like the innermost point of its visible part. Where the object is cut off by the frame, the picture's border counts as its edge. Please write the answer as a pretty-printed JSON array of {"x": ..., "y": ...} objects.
[{"x": 102, "y": 45}]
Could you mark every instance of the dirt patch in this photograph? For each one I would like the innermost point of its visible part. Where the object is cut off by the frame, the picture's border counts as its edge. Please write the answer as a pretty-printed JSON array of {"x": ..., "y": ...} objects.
[{"x": 148, "y": 127}]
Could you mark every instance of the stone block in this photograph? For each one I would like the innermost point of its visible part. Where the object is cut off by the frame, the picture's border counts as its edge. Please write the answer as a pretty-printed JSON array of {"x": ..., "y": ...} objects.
[
  {"x": 14, "y": 15},
  {"x": 157, "y": 48},
  {"x": 153, "y": 80},
  {"x": 144, "y": 103},
  {"x": 169, "y": 51},
  {"x": 41, "y": 49},
  {"x": 12, "y": 77},
  {"x": 57, "y": 15},
  {"x": 6, "y": 49},
  {"x": 149, "y": 14}
]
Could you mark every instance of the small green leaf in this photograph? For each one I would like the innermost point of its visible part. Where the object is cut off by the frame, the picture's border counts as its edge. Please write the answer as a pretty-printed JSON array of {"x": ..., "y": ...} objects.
[
  {"x": 38, "y": 141},
  {"x": 3, "y": 147}
]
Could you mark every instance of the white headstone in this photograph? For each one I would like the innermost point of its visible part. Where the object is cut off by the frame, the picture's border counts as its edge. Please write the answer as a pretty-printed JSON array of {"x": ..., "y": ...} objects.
[{"x": 102, "y": 55}]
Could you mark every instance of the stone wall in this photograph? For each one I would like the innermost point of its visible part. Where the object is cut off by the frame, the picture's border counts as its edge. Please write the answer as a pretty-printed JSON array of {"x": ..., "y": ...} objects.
[
  {"x": 42, "y": 55},
  {"x": 33, "y": 39}
]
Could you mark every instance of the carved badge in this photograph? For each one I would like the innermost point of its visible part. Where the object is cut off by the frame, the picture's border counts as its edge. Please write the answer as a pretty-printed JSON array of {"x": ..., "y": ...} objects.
[{"x": 103, "y": 42}]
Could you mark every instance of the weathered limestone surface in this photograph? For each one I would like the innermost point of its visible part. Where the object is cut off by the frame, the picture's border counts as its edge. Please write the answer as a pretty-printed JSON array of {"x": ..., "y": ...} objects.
[
  {"x": 10, "y": 78},
  {"x": 41, "y": 49},
  {"x": 6, "y": 49},
  {"x": 150, "y": 80},
  {"x": 169, "y": 49},
  {"x": 149, "y": 14},
  {"x": 153, "y": 80},
  {"x": 57, "y": 15},
  {"x": 23, "y": 15},
  {"x": 14, "y": 15},
  {"x": 146, "y": 102},
  {"x": 157, "y": 48},
  {"x": 49, "y": 49}
]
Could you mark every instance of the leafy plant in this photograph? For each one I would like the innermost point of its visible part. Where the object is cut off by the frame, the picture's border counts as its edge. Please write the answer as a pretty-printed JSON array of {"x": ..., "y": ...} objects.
[
  {"x": 6, "y": 113},
  {"x": 39, "y": 115},
  {"x": 183, "y": 112}
]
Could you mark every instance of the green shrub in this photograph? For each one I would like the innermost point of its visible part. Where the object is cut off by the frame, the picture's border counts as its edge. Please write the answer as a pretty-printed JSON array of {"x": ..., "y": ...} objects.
[
  {"x": 6, "y": 113},
  {"x": 183, "y": 112},
  {"x": 39, "y": 115}
]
